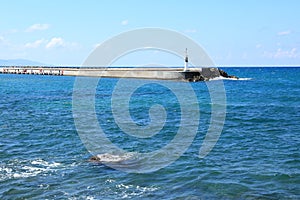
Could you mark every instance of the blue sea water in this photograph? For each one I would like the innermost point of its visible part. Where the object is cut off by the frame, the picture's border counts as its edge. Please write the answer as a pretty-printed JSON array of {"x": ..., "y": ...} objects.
[{"x": 257, "y": 155}]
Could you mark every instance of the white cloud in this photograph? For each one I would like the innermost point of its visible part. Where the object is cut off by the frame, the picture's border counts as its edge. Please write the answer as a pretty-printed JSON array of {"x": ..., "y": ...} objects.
[
  {"x": 287, "y": 32},
  {"x": 125, "y": 22},
  {"x": 286, "y": 53},
  {"x": 55, "y": 42},
  {"x": 35, "y": 44},
  {"x": 58, "y": 42},
  {"x": 280, "y": 53},
  {"x": 37, "y": 27}
]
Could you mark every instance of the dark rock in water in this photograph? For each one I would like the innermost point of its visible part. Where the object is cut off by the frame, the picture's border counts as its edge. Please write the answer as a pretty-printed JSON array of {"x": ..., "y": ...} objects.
[
  {"x": 94, "y": 159},
  {"x": 224, "y": 74},
  {"x": 112, "y": 158},
  {"x": 232, "y": 76},
  {"x": 204, "y": 74}
]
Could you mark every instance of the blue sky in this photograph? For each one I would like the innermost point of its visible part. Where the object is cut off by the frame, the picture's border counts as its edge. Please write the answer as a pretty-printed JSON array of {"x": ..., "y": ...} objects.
[{"x": 232, "y": 32}]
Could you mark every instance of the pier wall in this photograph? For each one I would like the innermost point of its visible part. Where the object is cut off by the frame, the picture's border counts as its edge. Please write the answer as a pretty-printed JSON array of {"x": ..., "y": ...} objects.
[{"x": 193, "y": 74}]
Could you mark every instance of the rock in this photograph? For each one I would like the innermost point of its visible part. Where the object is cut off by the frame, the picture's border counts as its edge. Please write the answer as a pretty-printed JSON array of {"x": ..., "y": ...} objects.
[
  {"x": 112, "y": 158},
  {"x": 233, "y": 77},
  {"x": 224, "y": 74},
  {"x": 94, "y": 159}
]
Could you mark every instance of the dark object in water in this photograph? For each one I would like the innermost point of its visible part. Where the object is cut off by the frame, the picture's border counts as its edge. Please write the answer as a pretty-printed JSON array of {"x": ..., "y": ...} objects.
[
  {"x": 224, "y": 74},
  {"x": 94, "y": 159},
  {"x": 111, "y": 158}
]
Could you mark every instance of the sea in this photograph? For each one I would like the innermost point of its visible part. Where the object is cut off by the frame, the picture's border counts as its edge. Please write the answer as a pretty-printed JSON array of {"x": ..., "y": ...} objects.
[{"x": 255, "y": 153}]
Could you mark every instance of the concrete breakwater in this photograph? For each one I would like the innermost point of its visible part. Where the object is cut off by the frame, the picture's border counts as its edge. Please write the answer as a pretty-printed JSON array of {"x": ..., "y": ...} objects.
[
  {"x": 163, "y": 73},
  {"x": 32, "y": 70}
]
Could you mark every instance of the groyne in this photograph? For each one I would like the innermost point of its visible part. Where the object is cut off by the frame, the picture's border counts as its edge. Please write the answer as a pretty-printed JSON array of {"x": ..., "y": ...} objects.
[{"x": 162, "y": 73}]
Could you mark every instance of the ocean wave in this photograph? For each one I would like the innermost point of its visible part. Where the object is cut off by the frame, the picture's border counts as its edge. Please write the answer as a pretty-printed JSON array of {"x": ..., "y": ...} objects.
[
  {"x": 25, "y": 168},
  {"x": 113, "y": 158},
  {"x": 231, "y": 79},
  {"x": 45, "y": 163},
  {"x": 130, "y": 191}
]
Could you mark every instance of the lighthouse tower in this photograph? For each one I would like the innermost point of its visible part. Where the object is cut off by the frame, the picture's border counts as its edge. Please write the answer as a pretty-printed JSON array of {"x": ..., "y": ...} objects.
[{"x": 186, "y": 60}]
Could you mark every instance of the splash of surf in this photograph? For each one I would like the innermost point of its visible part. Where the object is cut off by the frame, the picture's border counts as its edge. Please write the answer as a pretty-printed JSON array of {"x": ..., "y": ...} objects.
[{"x": 231, "y": 79}]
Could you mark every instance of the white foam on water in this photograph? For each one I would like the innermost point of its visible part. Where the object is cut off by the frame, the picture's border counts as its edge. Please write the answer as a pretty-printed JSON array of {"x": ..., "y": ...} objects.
[
  {"x": 44, "y": 186},
  {"x": 5, "y": 170},
  {"x": 129, "y": 191},
  {"x": 232, "y": 79},
  {"x": 45, "y": 163},
  {"x": 114, "y": 158},
  {"x": 90, "y": 198},
  {"x": 25, "y": 168},
  {"x": 109, "y": 181},
  {"x": 81, "y": 197}
]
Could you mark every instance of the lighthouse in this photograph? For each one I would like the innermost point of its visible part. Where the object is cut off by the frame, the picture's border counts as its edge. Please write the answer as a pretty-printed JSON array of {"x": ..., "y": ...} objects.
[{"x": 186, "y": 60}]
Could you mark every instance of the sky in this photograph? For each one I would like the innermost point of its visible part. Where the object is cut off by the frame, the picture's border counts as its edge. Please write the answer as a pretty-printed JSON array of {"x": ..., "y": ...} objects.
[{"x": 232, "y": 32}]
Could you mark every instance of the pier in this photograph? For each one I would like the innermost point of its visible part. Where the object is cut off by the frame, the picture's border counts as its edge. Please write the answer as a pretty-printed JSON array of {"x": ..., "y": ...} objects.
[
  {"x": 159, "y": 73},
  {"x": 186, "y": 73}
]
